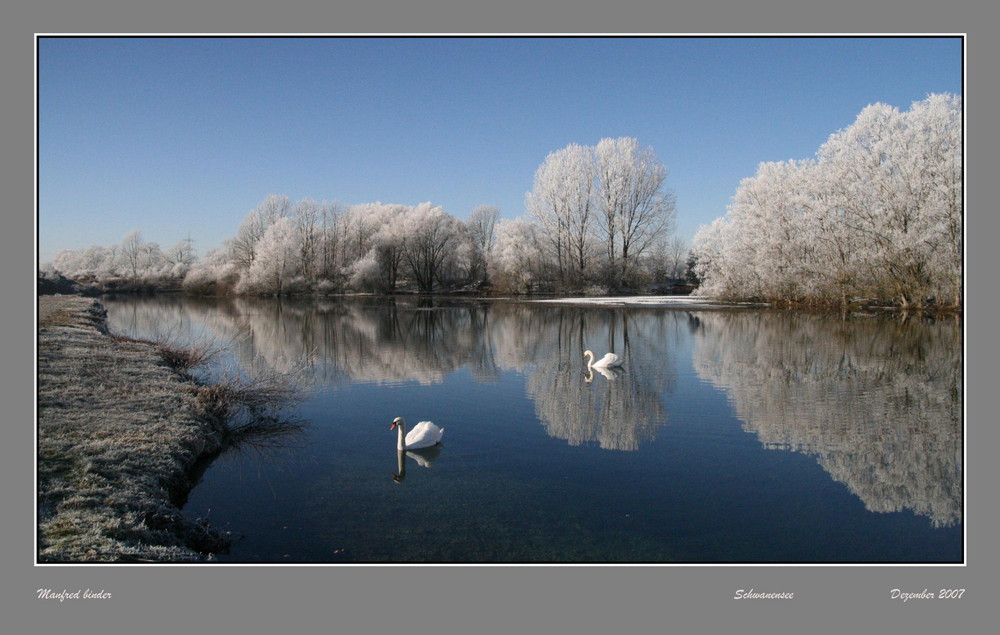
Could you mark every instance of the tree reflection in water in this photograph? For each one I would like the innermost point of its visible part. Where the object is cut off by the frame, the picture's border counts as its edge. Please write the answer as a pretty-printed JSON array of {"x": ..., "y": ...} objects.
[
  {"x": 878, "y": 402},
  {"x": 623, "y": 409}
]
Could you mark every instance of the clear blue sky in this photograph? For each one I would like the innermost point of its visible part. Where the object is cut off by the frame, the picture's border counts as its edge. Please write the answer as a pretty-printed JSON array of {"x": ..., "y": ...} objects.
[{"x": 179, "y": 136}]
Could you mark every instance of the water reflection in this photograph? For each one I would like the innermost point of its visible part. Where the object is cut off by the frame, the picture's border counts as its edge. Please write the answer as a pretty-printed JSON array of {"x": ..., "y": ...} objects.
[
  {"x": 424, "y": 457},
  {"x": 610, "y": 374},
  {"x": 878, "y": 403},
  {"x": 617, "y": 415},
  {"x": 398, "y": 341}
]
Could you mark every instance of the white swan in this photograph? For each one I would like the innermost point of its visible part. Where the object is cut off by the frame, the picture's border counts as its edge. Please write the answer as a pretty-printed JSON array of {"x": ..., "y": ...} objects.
[
  {"x": 608, "y": 361},
  {"x": 423, "y": 435}
]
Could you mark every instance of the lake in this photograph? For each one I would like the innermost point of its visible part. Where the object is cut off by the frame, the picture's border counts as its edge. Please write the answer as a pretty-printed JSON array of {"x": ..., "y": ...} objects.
[{"x": 729, "y": 436}]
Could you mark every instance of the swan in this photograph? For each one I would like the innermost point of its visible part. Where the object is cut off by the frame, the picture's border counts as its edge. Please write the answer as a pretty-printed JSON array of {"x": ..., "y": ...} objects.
[
  {"x": 423, "y": 435},
  {"x": 608, "y": 361}
]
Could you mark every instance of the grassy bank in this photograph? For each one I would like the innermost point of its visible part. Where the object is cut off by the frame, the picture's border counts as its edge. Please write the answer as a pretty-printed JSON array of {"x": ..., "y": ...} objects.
[{"x": 121, "y": 427}]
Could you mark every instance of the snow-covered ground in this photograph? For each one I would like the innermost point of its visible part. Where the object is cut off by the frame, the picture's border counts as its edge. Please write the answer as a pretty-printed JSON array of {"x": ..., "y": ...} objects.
[{"x": 666, "y": 301}]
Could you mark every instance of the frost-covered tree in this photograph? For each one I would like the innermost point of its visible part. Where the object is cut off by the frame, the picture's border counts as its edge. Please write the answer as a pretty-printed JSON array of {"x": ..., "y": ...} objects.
[
  {"x": 360, "y": 223},
  {"x": 780, "y": 240},
  {"x": 89, "y": 264},
  {"x": 304, "y": 253},
  {"x": 517, "y": 256},
  {"x": 319, "y": 247},
  {"x": 331, "y": 245},
  {"x": 365, "y": 274},
  {"x": 481, "y": 228},
  {"x": 708, "y": 262},
  {"x": 216, "y": 273},
  {"x": 277, "y": 265},
  {"x": 675, "y": 253},
  {"x": 635, "y": 208},
  {"x": 562, "y": 202},
  {"x": 132, "y": 263},
  {"x": 898, "y": 176},
  {"x": 132, "y": 254},
  {"x": 877, "y": 214},
  {"x": 428, "y": 237},
  {"x": 937, "y": 140},
  {"x": 306, "y": 215},
  {"x": 376, "y": 231},
  {"x": 180, "y": 257},
  {"x": 607, "y": 198},
  {"x": 667, "y": 258},
  {"x": 253, "y": 227}
]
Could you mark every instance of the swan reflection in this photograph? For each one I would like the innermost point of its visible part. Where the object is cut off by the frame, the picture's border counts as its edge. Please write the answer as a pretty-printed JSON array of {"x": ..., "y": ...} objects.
[
  {"x": 610, "y": 373},
  {"x": 424, "y": 457}
]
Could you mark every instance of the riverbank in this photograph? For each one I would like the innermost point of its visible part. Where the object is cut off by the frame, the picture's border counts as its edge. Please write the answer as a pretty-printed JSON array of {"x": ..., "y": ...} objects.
[
  {"x": 696, "y": 302},
  {"x": 658, "y": 301},
  {"x": 120, "y": 430}
]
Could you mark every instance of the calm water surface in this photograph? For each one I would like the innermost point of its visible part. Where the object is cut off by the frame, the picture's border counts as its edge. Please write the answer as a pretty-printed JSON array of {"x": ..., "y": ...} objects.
[{"x": 749, "y": 436}]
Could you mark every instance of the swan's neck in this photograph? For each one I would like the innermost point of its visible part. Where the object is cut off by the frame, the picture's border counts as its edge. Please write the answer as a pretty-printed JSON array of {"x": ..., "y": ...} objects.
[
  {"x": 401, "y": 466},
  {"x": 401, "y": 443},
  {"x": 590, "y": 359}
]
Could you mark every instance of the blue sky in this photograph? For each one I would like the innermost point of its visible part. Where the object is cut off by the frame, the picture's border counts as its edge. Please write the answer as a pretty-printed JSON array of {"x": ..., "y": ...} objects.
[{"x": 183, "y": 136}]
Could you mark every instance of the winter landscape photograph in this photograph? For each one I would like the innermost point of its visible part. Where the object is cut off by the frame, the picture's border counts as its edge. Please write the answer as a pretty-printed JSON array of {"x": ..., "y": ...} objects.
[{"x": 500, "y": 300}]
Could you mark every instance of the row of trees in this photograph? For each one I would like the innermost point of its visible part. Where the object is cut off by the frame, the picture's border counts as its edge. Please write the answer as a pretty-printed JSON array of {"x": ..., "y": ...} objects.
[
  {"x": 281, "y": 248},
  {"x": 597, "y": 216},
  {"x": 132, "y": 263},
  {"x": 599, "y": 210},
  {"x": 877, "y": 214}
]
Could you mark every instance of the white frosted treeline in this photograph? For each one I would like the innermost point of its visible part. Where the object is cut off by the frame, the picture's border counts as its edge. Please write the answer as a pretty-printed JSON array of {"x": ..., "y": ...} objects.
[
  {"x": 314, "y": 247},
  {"x": 597, "y": 216},
  {"x": 876, "y": 215},
  {"x": 132, "y": 261}
]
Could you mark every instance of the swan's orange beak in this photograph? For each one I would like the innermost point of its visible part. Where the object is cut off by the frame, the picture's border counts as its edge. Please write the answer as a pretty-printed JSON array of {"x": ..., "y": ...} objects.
[{"x": 393, "y": 426}]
